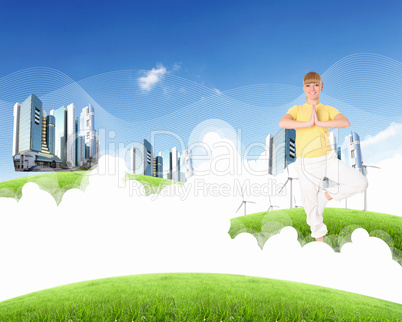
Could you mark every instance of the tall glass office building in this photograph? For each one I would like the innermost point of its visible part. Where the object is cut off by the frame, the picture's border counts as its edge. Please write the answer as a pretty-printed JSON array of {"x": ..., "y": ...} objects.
[
  {"x": 61, "y": 133},
  {"x": 87, "y": 130},
  {"x": 34, "y": 135},
  {"x": 284, "y": 150},
  {"x": 16, "y": 131},
  {"x": 351, "y": 151},
  {"x": 142, "y": 159},
  {"x": 269, "y": 148},
  {"x": 30, "y": 125},
  {"x": 167, "y": 164},
  {"x": 48, "y": 133},
  {"x": 71, "y": 136},
  {"x": 158, "y": 167},
  {"x": 80, "y": 145},
  {"x": 175, "y": 164}
]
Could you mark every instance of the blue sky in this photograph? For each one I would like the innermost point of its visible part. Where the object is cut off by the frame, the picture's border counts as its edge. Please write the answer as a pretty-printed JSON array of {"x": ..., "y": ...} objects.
[
  {"x": 221, "y": 44},
  {"x": 200, "y": 49}
]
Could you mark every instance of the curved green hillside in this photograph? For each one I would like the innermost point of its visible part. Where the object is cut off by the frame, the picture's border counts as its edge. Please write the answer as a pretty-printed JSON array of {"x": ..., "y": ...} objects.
[
  {"x": 195, "y": 297},
  {"x": 56, "y": 183},
  {"x": 340, "y": 223}
]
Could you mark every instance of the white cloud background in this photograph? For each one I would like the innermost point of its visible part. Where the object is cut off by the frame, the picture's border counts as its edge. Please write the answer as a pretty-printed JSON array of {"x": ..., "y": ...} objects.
[
  {"x": 113, "y": 229},
  {"x": 384, "y": 145},
  {"x": 152, "y": 77}
]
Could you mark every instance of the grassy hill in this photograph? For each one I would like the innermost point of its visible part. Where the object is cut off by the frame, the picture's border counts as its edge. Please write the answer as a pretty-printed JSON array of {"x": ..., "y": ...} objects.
[
  {"x": 195, "y": 297},
  {"x": 56, "y": 183},
  {"x": 340, "y": 223}
]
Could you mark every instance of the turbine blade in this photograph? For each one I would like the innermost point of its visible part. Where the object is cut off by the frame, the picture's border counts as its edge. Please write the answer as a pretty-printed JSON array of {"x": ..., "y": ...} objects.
[{"x": 284, "y": 185}]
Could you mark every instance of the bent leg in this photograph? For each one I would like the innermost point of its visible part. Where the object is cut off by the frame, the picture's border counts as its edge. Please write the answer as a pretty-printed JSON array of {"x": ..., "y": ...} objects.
[{"x": 350, "y": 180}]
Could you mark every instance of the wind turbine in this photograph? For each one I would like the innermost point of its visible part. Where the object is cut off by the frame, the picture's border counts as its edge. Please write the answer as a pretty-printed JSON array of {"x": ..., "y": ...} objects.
[
  {"x": 244, "y": 202},
  {"x": 271, "y": 206},
  {"x": 296, "y": 206},
  {"x": 291, "y": 185},
  {"x": 365, "y": 166}
]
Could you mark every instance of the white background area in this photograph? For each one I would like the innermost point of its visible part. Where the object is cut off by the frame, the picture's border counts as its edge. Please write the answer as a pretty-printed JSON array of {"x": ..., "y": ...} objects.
[{"x": 113, "y": 229}]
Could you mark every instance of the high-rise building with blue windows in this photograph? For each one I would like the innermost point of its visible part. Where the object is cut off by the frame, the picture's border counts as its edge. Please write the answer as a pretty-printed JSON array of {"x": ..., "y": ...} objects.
[
  {"x": 158, "y": 166},
  {"x": 281, "y": 150},
  {"x": 142, "y": 158},
  {"x": 30, "y": 125},
  {"x": 50, "y": 132},
  {"x": 351, "y": 151},
  {"x": 167, "y": 164},
  {"x": 34, "y": 135},
  {"x": 80, "y": 145},
  {"x": 61, "y": 133}
]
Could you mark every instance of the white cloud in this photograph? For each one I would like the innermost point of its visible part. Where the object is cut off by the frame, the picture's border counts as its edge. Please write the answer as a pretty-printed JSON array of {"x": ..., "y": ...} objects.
[
  {"x": 391, "y": 132},
  {"x": 113, "y": 229},
  {"x": 152, "y": 77},
  {"x": 217, "y": 91}
]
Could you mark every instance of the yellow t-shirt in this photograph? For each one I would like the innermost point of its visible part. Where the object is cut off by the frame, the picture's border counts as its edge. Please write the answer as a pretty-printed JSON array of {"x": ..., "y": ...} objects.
[{"x": 313, "y": 141}]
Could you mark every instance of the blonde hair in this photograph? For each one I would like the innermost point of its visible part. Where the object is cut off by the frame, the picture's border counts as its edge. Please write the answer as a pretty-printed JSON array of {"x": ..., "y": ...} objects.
[{"x": 312, "y": 77}]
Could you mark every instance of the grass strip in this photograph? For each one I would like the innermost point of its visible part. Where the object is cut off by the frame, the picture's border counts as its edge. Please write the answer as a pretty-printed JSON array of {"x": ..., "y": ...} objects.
[
  {"x": 340, "y": 223},
  {"x": 57, "y": 183},
  {"x": 195, "y": 297}
]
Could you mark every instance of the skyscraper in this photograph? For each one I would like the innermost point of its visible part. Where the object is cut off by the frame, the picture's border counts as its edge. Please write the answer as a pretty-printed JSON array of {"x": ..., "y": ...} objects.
[
  {"x": 142, "y": 159},
  {"x": 50, "y": 133},
  {"x": 186, "y": 165},
  {"x": 167, "y": 164},
  {"x": 71, "y": 142},
  {"x": 158, "y": 166},
  {"x": 175, "y": 164},
  {"x": 269, "y": 150},
  {"x": 34, "y": 135},
  {"x": 30, "y": 125},
  {"x": 16, "y": 131},
  {"x": 87, "y": 130},
  {"x": 61, "y": 133},
  {"x": 281, "y": 150},
  {"x": 351, "y": 151}
]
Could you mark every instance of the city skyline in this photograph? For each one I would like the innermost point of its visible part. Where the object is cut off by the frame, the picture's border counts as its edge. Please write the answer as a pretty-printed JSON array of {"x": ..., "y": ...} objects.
[
  {"x": 169, "y": 164},
  {"x": 47, "y": 142}
]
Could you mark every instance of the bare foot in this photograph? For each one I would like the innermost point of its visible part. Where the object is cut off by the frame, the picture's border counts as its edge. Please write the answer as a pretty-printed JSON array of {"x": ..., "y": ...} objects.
[{"x": 320, "y": 239}]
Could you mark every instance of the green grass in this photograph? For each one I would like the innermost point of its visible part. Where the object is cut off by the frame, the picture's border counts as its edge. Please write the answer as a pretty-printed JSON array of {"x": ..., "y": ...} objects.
[
  {"x": 195, "y": 297},
  {"x": 56, "y": 183},
  {"x": 340, "y": 223}
]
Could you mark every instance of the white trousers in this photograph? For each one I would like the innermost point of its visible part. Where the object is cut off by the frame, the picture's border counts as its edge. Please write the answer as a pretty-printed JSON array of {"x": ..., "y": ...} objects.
[{"x": 311, "y": 172}]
